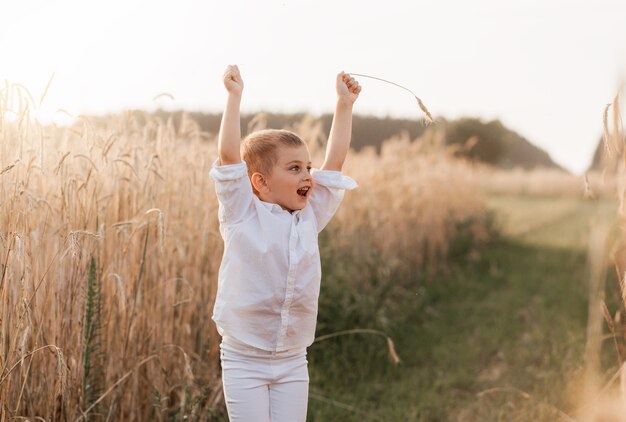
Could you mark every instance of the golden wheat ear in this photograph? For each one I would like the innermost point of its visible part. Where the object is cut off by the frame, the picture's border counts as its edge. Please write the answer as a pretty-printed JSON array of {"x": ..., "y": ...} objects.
[{"x": 420, "y": 103}]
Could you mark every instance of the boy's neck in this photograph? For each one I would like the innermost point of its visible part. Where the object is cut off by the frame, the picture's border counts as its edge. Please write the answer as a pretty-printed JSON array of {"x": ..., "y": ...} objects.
[{"x": 274, "y": 203}]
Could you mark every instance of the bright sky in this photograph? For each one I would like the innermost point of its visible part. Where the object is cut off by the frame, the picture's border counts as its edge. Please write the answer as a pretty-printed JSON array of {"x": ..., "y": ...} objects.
[{"x": 545, "y": 68}]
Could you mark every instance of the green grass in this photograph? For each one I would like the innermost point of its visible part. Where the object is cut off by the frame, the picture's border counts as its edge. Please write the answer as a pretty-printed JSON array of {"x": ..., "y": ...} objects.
[{"x": 500, "y": 337}]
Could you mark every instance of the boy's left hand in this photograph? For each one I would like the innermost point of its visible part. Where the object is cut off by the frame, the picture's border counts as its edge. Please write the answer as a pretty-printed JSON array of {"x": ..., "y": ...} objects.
[{"x": 348, "y": 88}]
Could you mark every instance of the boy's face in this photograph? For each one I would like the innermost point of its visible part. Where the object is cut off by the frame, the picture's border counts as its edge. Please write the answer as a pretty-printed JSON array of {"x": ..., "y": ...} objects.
[{"x": 289, "y": 184}]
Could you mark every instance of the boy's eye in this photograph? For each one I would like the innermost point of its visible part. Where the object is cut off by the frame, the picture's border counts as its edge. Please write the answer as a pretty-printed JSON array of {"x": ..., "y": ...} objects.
[
  {"x": 296, "y": 168},
  {"x": 308, "y": 169}
]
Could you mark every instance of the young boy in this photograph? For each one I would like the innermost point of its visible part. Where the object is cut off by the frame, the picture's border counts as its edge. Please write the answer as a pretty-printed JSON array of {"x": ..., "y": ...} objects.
[{"x": 271, "y": 208}]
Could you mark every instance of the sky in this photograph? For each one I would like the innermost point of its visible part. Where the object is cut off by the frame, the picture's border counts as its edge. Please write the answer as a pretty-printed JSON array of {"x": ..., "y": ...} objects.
[{"x": 544, "y": 68}]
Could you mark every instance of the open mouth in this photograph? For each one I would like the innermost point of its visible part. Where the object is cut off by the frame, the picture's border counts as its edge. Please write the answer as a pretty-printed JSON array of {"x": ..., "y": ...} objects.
[{"x": 303, "y": 191}]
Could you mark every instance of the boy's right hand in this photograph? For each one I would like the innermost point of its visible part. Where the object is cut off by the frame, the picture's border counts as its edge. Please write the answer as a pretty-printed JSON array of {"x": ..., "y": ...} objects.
[{"x": 232, "y": 80}]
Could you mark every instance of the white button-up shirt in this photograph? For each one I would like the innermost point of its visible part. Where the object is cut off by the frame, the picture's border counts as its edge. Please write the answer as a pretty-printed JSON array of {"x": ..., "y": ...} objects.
[{"x": 269, "y": 279}]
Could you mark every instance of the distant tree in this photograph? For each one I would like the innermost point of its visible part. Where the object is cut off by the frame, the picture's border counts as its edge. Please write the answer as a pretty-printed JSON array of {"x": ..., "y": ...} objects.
[
  {"x": 492, "y": 142},
  {"x": 598, "y": 154},
  {"x": 488, "y": 148},
  {"x": 602, "y": 160}
]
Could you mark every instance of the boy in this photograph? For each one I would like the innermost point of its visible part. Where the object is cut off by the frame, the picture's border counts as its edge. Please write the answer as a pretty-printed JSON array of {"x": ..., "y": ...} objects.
[{"x": 271, "y": 208}]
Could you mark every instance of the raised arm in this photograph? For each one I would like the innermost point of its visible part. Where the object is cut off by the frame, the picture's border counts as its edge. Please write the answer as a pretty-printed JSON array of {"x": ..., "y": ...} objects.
[
  {"x": 230, "y": 129},
  {"x": 348, "y": 90}
]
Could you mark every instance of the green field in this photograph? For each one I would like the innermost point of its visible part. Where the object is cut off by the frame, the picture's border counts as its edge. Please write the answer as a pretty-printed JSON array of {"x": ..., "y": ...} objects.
[{"x": 499, "y": 337}]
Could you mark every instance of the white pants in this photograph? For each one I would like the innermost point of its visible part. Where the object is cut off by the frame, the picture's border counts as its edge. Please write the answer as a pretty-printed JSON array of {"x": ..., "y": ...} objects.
[{"x": 262, "y": 386}]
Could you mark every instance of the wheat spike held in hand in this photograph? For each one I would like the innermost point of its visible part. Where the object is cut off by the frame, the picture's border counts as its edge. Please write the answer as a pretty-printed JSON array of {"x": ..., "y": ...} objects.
[{"x": 421, "y": 105}]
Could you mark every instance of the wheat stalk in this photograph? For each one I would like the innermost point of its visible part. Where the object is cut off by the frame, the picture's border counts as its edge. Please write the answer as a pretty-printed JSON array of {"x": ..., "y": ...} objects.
[
  {"x": 45, "y": 91},
  {"x": 419, "y": 101},
  {"x": 163, "y": 94},
  {"x": 390, "y": 345}
]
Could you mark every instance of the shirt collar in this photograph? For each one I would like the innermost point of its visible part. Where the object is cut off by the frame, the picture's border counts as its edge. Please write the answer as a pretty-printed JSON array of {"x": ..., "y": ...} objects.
[{"x": 275, "y": 208}]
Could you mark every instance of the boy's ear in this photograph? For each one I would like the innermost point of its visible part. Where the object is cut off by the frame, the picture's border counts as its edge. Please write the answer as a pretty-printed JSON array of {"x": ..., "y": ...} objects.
[{"x": 259, "y": 182}]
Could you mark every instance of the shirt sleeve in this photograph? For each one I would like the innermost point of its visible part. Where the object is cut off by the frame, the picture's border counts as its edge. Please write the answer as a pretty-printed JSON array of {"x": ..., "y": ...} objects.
[
  {"x": 234, "y": 192},
  {"x": 327, "y": 194}
]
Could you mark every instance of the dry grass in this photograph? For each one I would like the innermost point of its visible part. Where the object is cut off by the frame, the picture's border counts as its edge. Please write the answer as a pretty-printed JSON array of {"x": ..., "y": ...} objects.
[{"x": 131, "y": 194}]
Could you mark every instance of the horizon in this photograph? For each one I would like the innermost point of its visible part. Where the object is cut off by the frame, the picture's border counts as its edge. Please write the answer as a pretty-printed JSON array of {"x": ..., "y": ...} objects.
[{"x": 251, "y": 114}]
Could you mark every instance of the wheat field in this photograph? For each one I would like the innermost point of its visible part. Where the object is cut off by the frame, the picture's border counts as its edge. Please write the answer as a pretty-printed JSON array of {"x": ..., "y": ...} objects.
[{"x": 110, "y": 248}]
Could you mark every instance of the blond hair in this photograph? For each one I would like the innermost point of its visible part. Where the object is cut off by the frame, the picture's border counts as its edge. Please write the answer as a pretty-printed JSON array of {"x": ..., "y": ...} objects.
[{"x": 259, "y": 149}]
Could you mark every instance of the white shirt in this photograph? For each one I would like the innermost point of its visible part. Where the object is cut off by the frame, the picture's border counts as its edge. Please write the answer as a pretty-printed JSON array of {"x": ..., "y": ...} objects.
[{"x": 269, "y": 279}]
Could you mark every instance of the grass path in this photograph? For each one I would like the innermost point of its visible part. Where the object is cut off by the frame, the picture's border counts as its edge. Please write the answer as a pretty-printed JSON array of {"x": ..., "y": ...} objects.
[{"x": 500, "y": 338}]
